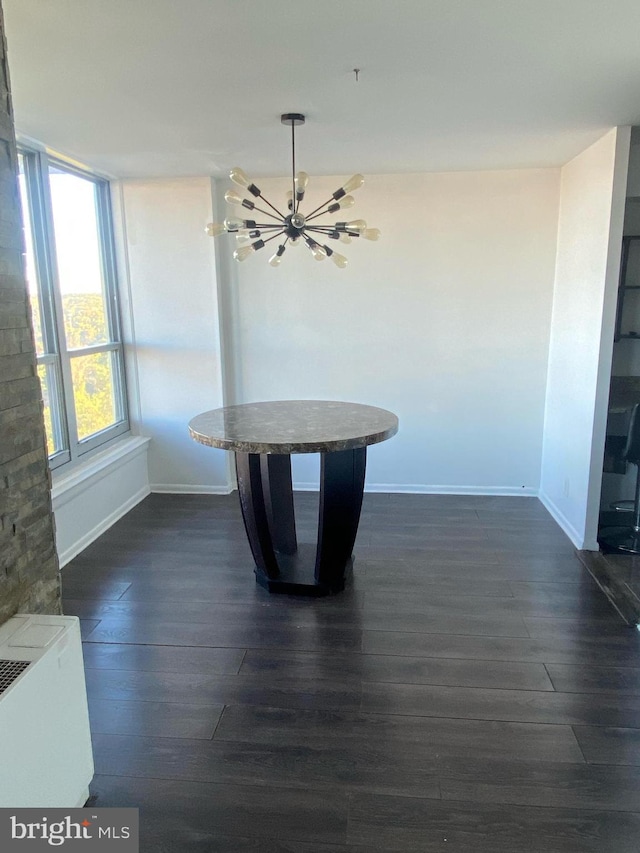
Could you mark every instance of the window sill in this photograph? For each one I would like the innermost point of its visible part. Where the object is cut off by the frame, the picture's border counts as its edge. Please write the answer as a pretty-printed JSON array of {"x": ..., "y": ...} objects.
[{"x": 67, "y": 485}]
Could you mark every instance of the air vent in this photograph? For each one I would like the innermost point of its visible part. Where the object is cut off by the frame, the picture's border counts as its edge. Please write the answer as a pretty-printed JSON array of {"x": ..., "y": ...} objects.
[{"x": 10, "y": 670}]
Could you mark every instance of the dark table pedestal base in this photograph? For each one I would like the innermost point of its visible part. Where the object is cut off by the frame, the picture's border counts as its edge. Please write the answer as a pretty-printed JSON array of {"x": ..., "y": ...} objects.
[
  {"x": 297, "y": 574},
  {"x": 266, "y": 498}
]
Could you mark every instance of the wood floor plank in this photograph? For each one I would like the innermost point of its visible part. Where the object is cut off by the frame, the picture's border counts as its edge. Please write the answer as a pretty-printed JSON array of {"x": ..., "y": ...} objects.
[
  {"x": 397, "y": 669},
  {"x": 541, "y": 783},
  {"x": 313, "y": 767},
  {"x": 619, "y": 649},
  {"x": 87, "y": 627},
  {"x": 164, "y": 719},
  {"x": 407, "y": 824},
  {"x": 571, "y": 678},
  {"x": 391, "y": 582},
  {"x": 560, "y": 627},
  {"x": 241, "y": 589},
  {"x": 432, "y": 620},
  {"x": 155, "y": 632},
  {"x": 194, "y": 809},
  {"x": 564, "y": 604},
  {"x": 223, "y": 689},
  {"x": 610, "y": 745},
  {"x": 96, "y": 589},
  {"x": 509, "y": 705},
  {"x": 416, "y": 566},
  {"x": 183, "y": 659},
  {"x": 339, "y": 613},
  {"x": 423, "y": 737}
]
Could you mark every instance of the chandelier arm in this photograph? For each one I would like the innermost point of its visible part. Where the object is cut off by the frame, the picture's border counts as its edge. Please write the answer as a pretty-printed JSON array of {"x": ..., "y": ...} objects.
[
  {"x": 327, "y": 230},
  {"x": 321, "y": 213},
  {"x": 273, "y": 236},
  {"x": 266, "y": 201},
  {"x": 268, "y": 226},
  {"x": 324, "y": 204},
  {"x": 268, "y": 213}
]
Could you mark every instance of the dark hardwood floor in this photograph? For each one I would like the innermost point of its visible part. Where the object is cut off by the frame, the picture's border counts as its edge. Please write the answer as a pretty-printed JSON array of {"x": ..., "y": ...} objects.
[{"x": 472, "y": 690}]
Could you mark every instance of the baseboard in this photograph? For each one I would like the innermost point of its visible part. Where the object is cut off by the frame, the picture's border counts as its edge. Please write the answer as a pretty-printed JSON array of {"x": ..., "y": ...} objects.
[
  {"x": 105, "y": 523},
  {"x": 187, "y": 489},
  {"x": 404, "y": 489},
  {"x": 374, "y": 488},
  {"x": 576, "y": 537}
]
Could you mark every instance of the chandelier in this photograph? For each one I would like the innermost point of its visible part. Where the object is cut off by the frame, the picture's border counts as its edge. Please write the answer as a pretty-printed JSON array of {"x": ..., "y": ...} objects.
[{"x": 293, "y": 227}]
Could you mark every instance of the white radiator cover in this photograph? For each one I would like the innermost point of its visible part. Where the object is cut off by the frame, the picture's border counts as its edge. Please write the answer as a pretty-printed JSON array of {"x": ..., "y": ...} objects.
[{"x": 46, "y": 758}]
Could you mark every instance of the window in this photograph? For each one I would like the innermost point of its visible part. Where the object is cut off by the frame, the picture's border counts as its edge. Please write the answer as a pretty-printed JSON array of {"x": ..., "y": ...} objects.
[{"x": 72, "y": 288}]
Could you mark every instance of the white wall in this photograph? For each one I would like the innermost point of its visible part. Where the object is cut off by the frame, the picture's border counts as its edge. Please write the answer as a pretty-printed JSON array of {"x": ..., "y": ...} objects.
[
  {"x": 589, "y": 236},
  {"x": 174, "y": 338},
  {"x": 445, "y": 321}
]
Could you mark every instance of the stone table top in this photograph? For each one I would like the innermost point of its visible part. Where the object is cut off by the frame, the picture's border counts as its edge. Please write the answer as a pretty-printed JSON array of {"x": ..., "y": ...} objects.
[{"x": 293, "y": 426}]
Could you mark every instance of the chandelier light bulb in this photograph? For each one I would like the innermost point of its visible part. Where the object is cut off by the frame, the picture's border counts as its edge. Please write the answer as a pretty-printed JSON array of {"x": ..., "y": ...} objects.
[
  {"x": 339, "y": 260},
  {"x": 301, "y": 181},
  {"x": 347, "y": 201},
  {"x": 358, "y": 225},
  {"x": 318, "y": 253},
  {"x": 233, "y": 197},
  {"x": 294, "y": 241},
  {"x": 354, "y": 183},
  {"x": 371, "y": 233},
  {"x": 274, "y": 260},
  {"x": 239, "y": 177},
  {"x": 243, "y": 239},
  {"x": 215, "y": 228},
  {"x": 289, "y": 197},
  {"x": 243, "y": 253},
  {"x": 233, "y": 224},
  {"x": 345, "y": 238}
]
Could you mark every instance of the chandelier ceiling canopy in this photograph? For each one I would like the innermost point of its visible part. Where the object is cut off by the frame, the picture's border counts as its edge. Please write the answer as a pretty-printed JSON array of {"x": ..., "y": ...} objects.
[{"x": 293, "y": 227}]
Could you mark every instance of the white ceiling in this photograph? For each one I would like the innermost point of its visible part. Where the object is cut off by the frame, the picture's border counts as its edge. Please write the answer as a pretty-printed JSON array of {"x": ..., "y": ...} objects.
[{"x": 191, "y": 87}]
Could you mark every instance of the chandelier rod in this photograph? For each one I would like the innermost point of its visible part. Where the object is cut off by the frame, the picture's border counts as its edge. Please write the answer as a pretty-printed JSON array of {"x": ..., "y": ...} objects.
[
  {"x": 324, "y": 204},
  {"x": 273, "y": 236},
  {"x": 315, "y": 215},
  {"x": 294, "y": 200},
  {"x": 266, "y": 201},
  {"x": 266, "y": 212}
]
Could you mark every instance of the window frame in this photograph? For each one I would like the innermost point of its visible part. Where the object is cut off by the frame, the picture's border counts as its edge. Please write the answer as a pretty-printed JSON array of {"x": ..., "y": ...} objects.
[{"x": 57, "y": 356}]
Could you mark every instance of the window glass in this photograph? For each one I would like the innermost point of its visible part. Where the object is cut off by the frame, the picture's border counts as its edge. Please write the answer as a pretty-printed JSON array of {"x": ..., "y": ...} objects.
[
  {"x": 93, "y": 393},
  {"x": 46, "y": 372},
  {"x": 77, "y": 243}
]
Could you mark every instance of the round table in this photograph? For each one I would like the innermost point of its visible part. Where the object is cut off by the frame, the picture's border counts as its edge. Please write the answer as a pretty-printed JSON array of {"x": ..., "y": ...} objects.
[{"x": 263, "y": 436}]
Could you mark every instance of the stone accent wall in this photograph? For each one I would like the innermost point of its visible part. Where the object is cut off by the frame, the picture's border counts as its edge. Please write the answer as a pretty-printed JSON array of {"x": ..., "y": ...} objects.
[{"x": 29, "y": 572}]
